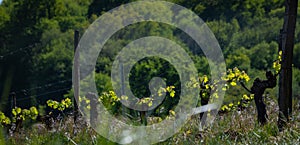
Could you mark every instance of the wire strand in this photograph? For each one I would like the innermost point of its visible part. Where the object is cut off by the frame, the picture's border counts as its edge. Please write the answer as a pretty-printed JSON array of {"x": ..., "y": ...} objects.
[
  {"x": 37, "y": 95},
  {"x": 3, "y": 56},
  {"x": 42, "y": 86}
]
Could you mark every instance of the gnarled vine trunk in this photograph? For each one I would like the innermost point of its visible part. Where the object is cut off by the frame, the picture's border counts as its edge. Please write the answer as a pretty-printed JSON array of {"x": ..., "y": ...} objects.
[{"x": 258, "y": 88}]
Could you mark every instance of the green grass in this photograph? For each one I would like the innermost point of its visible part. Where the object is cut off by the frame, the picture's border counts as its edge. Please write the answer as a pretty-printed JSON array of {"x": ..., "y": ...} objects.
[{"x": 237, "y": 127}]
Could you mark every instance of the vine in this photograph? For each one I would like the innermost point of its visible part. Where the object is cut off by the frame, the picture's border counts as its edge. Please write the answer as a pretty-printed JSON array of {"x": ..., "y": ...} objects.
[
  {"x": 23, "y": 114},
  {"x": 4, "y": 120},
  {"x": 247, "y": 99},
  {"x": 61, "y": 106},
  {"x": 19, "y": 114},
  {"x": 209, "y": 91}
]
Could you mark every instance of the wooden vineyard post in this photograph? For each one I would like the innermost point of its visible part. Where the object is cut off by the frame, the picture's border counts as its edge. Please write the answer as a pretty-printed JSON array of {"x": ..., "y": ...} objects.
[
  {"x": 286, "y": 45},
  {"x": 122, "y": 84},
  {"x": 13, "y": 100},
  {"x": 93, "y": 110},
  {"x": 19, "y": 121},
  {"x": 76, "y": 75}
]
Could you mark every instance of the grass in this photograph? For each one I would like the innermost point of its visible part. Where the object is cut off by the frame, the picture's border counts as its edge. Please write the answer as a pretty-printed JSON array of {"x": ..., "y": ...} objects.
[{"x": 236, "y": 127}]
